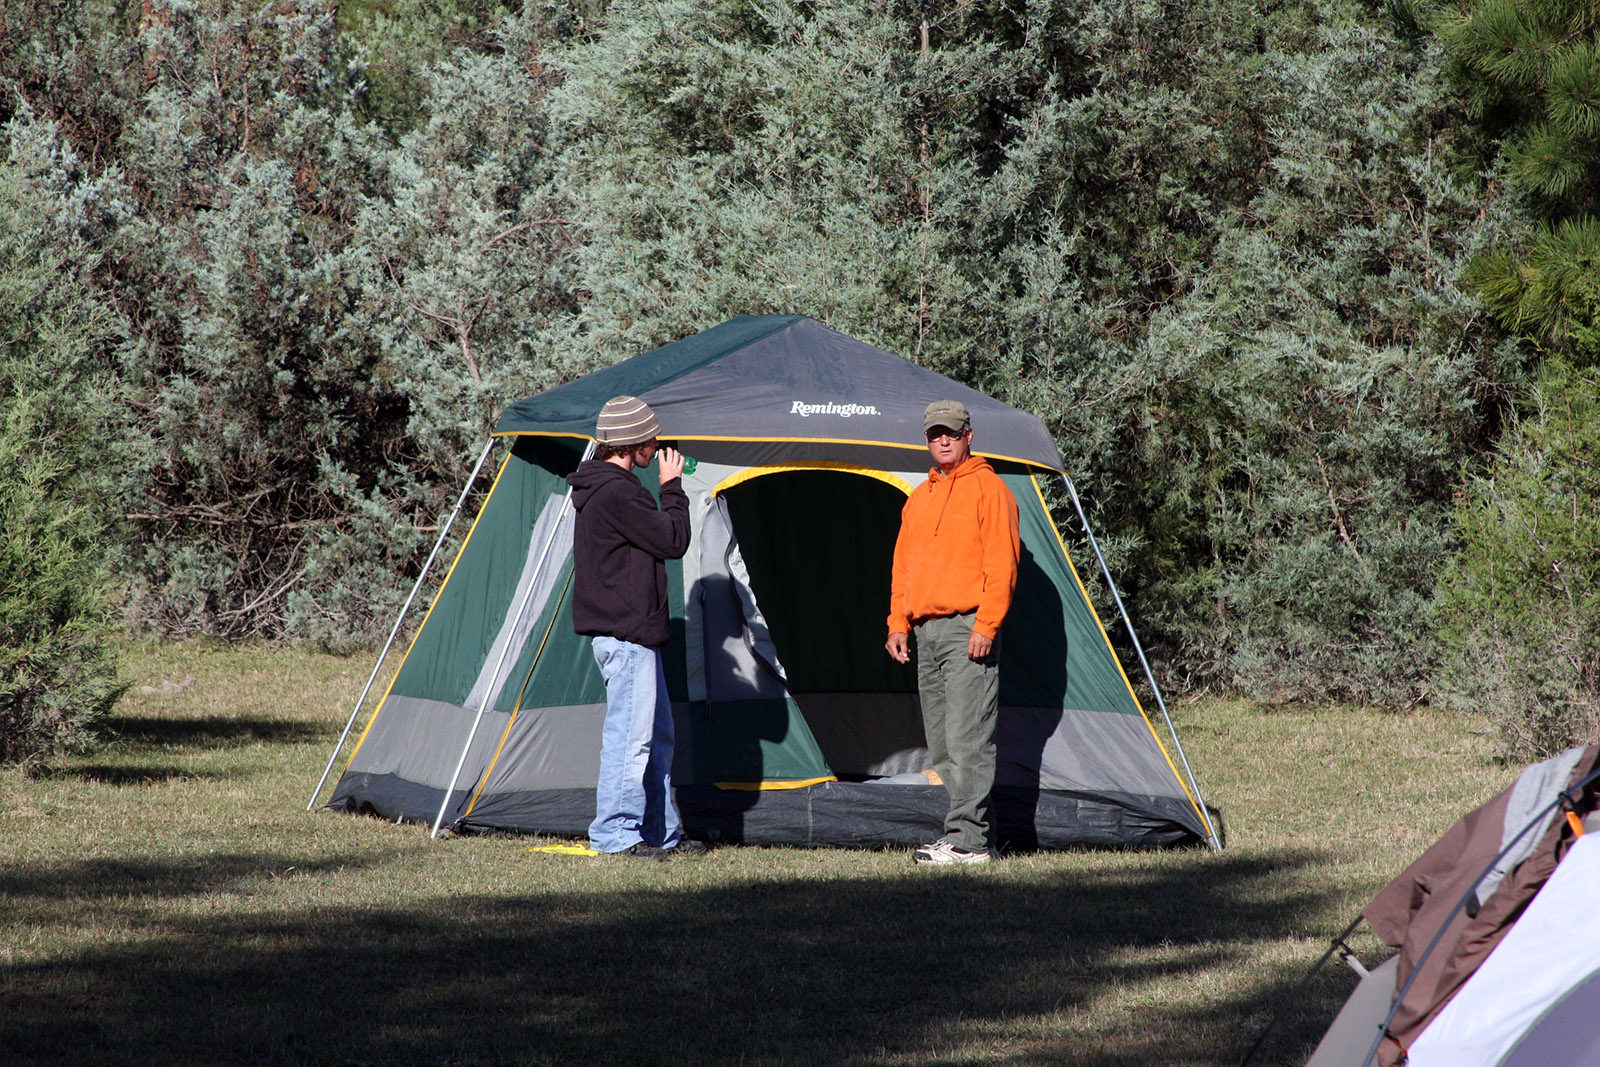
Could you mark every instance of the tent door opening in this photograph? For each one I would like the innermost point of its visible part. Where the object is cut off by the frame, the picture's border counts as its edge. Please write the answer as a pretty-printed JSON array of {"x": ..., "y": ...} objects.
[{"x": 817, "y": 547}]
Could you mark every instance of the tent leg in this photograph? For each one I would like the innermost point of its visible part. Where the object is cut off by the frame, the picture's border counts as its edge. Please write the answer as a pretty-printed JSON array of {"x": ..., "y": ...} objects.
[
  {"x": 477, "y": 719},
  {"x": 1144, "y": 663},
  {"x": 395, "y": 631},
  {"x": 1334, "y": 946}
]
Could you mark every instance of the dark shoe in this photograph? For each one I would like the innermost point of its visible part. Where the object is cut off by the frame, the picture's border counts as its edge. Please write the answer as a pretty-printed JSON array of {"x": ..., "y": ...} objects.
[
  {"x": 642, "y": 851},
  {"x": 686, "y": 847}
]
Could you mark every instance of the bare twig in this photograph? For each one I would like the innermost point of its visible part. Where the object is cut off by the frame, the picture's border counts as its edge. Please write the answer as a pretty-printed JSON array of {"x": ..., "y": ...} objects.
[{"x": 1338, "y": 519}]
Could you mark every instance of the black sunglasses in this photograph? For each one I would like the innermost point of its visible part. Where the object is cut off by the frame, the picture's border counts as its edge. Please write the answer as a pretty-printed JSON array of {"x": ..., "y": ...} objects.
[{"x": 945, "y": 431}]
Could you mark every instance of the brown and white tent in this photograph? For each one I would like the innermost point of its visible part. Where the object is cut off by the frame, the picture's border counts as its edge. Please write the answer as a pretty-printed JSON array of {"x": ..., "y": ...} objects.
[{"x": 1497, "y": 938}]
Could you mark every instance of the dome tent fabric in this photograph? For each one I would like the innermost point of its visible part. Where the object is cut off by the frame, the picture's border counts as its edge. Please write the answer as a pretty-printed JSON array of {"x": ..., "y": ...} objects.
[
  {"x": 1497, "y": 945},
  {"x": 794, "y": 726},
  {"x": 1535, "y": 1001}
]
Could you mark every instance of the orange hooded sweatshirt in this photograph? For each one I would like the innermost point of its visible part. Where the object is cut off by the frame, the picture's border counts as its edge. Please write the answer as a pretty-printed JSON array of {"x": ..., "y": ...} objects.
[{"x": 957, "y": 550}]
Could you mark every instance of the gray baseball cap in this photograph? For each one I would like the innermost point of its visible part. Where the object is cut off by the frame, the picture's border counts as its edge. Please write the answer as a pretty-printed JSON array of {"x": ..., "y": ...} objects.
[{"x": 951, "y": 414}]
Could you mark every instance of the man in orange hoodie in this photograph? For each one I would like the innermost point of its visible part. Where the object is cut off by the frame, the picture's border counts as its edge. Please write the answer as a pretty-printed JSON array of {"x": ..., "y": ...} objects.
[{"x": 955, "y": 567}]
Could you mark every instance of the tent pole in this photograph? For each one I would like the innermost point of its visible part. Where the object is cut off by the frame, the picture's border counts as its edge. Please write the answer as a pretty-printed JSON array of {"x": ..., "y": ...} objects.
[
  {"x": 1105, "y": 572},
  {"x": 477, "y": 719},
  {"x": 1337, "y": 944},
  {"x": 395, "y": 631}
]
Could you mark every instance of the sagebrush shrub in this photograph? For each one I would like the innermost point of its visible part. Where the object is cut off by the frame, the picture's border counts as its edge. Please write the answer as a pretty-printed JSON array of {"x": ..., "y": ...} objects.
[{"x": 1518, "y": 607}]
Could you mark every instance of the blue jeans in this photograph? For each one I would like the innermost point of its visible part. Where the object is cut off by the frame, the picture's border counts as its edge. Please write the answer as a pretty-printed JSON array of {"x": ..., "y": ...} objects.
[{"x": 633, "y": 800}]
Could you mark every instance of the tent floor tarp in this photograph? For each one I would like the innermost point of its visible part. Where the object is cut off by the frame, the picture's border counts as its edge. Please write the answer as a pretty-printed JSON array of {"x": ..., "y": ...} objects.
[{"x": 829, "y": 814}]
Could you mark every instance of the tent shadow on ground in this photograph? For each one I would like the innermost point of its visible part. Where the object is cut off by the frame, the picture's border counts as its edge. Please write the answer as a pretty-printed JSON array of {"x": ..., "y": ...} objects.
[{"x": 827, "y": 970}]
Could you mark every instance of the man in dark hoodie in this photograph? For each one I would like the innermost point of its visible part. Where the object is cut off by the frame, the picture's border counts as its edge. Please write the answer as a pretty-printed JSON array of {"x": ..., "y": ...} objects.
[{"x": 621, "y": 543}]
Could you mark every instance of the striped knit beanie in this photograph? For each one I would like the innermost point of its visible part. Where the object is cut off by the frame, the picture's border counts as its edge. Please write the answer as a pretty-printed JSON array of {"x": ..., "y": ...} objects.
[{"x": 626, "y": 420}]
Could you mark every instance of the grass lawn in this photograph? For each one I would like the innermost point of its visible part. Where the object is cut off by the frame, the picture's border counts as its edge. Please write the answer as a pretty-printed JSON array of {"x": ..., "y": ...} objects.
[{"x": 169, "y": 900}]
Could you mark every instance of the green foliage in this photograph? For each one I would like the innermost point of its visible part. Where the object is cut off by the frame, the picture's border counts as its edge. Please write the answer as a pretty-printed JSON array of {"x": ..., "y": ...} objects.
[
  {"x": 1529, "y": 71},
  {"x": 269, "y": 436},
  {"x": 57, "y": 668},
  {"x": 322, "y": 314},
  {"x": 1215, "y": 246},
  {"x": 58, "y": 674},
  {"x": 1299, "y": 415},
  {"x": 463, "y": 260},
  {"x": 1217, "y": 253},
  {"x": 732, "y": 158},
  {"x": 394, "y": 43},
  {"x": 722, "y": 169},
  {"x": 1515, "y": 606},
  {"x": 1518, "y": 608},
  {"x": 1550, "y": 290},
  {"x": 320, "y": 319}
]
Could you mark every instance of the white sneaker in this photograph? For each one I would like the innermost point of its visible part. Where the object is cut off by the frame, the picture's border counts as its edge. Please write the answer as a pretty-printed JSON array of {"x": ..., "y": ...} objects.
[{"x": 943, "y": 852}]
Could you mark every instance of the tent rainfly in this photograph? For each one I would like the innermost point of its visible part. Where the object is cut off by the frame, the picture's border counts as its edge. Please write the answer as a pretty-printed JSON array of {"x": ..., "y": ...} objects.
[
  {"x": 794, "y": 726},
  {"x": 1496, "y": 938}
]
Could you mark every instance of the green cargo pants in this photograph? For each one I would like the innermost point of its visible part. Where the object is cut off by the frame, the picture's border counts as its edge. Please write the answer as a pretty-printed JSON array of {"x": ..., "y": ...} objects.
[{"x": 960, "y": 700}]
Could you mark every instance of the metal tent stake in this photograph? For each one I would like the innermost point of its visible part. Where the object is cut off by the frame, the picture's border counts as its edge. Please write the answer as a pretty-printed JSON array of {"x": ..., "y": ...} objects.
[
  {"x": 1200, "y": 802},
  {"x": 395, "y": 632},
  {"x": 488, "y": 698}
]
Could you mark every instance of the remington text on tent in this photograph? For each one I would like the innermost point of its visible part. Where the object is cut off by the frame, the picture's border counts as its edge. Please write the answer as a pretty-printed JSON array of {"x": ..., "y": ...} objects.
[{"x": 844, "y": 411}]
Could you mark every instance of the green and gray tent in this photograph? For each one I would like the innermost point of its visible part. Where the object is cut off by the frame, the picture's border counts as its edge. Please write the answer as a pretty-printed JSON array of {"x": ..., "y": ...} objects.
[{"x": 794, "y": 725}]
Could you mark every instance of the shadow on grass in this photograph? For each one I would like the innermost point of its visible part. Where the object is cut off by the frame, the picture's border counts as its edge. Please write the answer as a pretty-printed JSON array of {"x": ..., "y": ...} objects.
[
  {"x": 126, "y": 776},
  {"x": 925, "y": 967},
  {"x": 92, "y": 883},
  {"x": 211, "y": 731}
]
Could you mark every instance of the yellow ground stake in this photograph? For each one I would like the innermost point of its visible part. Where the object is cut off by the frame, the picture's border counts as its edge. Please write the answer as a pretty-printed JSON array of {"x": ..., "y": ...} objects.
[{"x": 566, "y": 850}]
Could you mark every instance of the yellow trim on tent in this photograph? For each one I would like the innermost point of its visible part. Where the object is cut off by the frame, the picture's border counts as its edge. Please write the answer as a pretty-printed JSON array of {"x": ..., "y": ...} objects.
[
  {"x": 414, "y": 637},
  {"x": 488, "y": 772},
  {"x": 853, "y": 441},
  {"x": 751, "y": 473},
  {"x": 545, "y": 433},
  {"x": 1114, "y": 657},
  {"x": 753, "y": 787}
]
